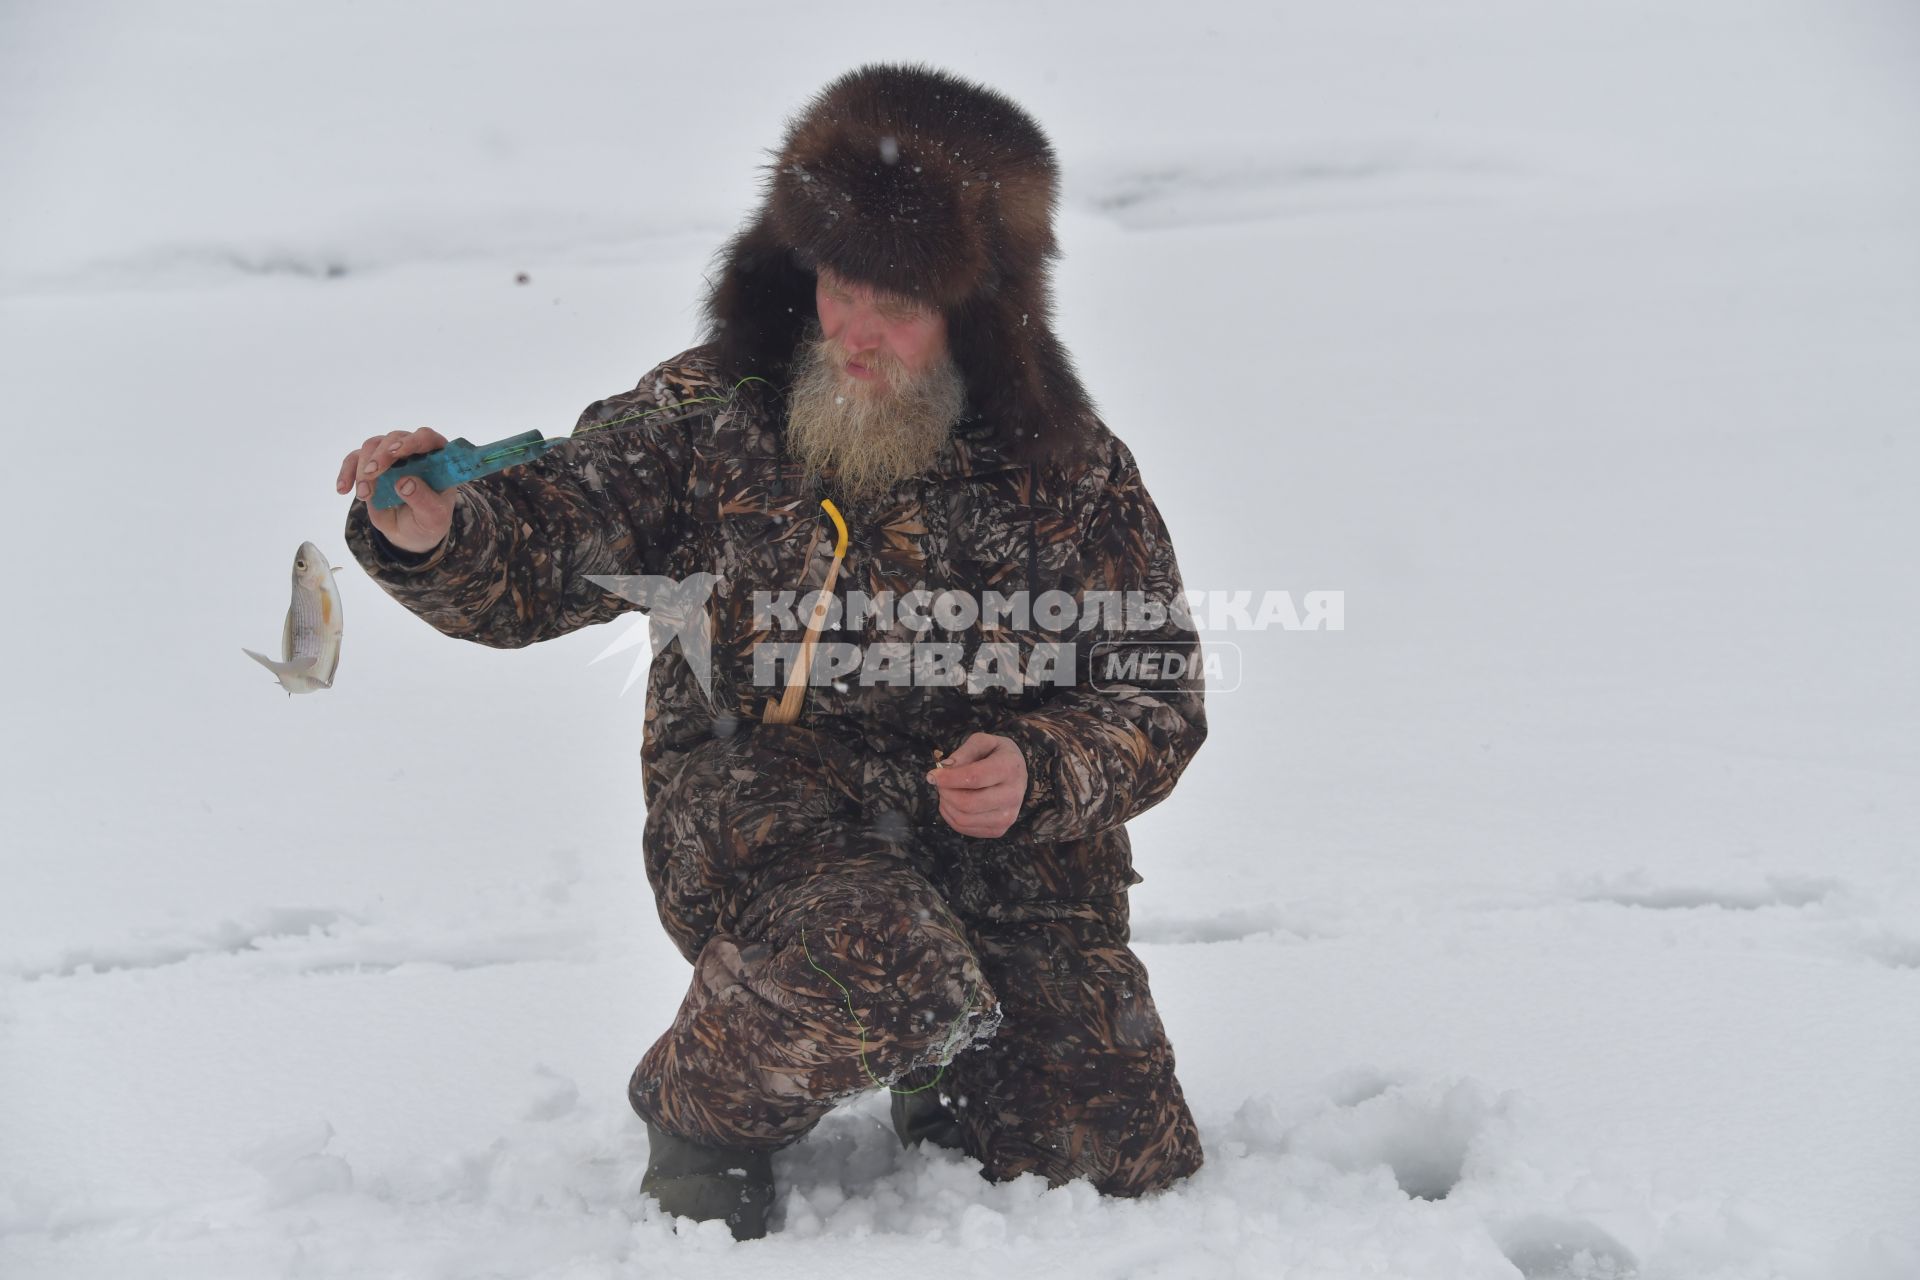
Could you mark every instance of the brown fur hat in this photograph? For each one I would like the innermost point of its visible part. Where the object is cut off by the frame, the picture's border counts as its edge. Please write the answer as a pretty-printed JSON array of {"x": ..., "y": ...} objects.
[{"x": 919, "y": 183}]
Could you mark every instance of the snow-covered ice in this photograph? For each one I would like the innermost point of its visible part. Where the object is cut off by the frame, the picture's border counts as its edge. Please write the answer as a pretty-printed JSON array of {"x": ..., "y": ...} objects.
[{"x": 1558, "y": 917}]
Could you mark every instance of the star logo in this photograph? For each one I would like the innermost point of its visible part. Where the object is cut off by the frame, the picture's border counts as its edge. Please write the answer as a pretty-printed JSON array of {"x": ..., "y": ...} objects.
[{"x": 676, "y": 608}]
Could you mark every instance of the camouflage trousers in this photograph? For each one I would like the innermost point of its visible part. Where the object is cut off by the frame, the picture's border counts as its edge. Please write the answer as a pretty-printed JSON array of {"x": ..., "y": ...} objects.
[{"x": 837, "y": 966}]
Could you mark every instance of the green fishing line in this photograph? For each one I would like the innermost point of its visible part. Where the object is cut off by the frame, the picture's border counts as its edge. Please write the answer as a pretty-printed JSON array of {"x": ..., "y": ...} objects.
[
  {"x": 648, "y": 413},
  {"x": 862, "y": 1027}
]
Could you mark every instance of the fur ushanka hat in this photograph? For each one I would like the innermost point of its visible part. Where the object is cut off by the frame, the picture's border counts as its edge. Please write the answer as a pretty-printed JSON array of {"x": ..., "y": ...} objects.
[{"x": 922, "y": 184}]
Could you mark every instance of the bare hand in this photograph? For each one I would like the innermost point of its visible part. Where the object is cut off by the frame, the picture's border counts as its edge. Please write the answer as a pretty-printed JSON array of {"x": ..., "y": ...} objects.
[
  {"x": 982, "y": 785},
  {"x": 421, "y": 523}
]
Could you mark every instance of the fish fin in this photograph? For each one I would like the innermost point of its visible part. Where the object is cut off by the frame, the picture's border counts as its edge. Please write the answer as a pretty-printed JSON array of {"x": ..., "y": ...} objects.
[{"x": 301, "y": 667}]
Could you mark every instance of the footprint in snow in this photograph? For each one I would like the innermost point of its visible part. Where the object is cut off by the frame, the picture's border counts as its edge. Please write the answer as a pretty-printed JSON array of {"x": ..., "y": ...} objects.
[
  {"x": 1425, "y": 1134},
  {"x": 1562, "y": 1249}
]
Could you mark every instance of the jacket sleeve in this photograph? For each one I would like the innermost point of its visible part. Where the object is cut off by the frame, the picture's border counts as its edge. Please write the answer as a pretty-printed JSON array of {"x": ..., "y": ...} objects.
[
  {"x": 1112, "y": 742},
  {"x": 514, "y": 565}
]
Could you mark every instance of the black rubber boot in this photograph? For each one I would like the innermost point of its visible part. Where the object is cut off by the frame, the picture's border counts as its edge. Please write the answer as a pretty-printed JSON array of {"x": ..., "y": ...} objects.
[
  {"x": 708, "y": 1183},
  {"x": 922, "y": 1117}
]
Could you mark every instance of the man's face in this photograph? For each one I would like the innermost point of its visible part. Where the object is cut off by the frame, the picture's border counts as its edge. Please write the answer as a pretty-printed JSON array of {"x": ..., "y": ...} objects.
[
  {"x": 870, "y": 329},
  {"x": 875, "y": 390}
]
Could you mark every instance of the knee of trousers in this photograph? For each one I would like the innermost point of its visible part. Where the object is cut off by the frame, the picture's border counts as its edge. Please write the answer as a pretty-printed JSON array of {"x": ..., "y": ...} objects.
[{"x": 885, "y": 949}]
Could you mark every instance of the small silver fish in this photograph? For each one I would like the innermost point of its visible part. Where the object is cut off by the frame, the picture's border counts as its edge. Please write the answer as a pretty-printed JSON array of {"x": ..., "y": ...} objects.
[{"x": 310, "y": 641}]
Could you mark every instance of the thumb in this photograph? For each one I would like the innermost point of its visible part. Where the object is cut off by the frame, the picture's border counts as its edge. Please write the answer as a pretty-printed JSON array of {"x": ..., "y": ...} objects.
[{"x": 432, "y": 510}]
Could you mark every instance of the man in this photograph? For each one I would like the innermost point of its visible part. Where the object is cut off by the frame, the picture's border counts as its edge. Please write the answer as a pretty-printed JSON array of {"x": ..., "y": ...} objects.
[{"x": 921, "y": 883}]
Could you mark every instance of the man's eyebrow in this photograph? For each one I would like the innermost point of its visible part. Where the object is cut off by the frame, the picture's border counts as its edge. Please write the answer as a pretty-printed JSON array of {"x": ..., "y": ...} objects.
[
  {"x": 881, "y": 298},
  {"x": 900, "y": 302}
]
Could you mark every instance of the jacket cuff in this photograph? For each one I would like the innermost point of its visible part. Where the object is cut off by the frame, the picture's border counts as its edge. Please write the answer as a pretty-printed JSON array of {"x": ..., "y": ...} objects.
[
  {"x": 470, "y": 543},
  {"x": 1039, "y": 758}
]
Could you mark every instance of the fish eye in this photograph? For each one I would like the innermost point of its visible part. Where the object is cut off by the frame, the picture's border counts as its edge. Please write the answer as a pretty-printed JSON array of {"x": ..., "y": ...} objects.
[{"x": 298, "y": 563}]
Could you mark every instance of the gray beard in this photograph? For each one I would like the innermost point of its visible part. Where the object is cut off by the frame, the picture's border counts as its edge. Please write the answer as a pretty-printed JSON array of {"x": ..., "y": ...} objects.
[{"x": 869, "y": 435}]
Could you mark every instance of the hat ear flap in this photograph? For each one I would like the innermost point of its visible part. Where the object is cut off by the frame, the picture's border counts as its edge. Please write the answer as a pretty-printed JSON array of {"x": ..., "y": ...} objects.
[
  {"x": 760, "y": 307},
  {"x": 1025, "y": 384}
]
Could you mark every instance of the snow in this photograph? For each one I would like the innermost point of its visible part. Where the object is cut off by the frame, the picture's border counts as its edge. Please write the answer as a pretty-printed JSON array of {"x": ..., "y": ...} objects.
[{"x": 1556, "y": 917}]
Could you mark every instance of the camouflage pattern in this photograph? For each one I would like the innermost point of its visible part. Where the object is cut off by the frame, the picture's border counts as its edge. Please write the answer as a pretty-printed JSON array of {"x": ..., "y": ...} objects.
[
  {"x": 1079, "y": 1081},
  {"x": 849, "y": 975},
  {"x": 1039, "y": 1036},
  {"x": 756, "y": 831}
]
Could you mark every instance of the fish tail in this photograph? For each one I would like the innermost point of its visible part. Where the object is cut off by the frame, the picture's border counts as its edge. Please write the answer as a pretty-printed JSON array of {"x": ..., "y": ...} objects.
[{"x": 281, "y": 670}]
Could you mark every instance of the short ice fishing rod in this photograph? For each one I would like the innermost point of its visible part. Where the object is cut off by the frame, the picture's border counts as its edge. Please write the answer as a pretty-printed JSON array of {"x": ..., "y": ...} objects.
[{"x": 460, "y": 461}]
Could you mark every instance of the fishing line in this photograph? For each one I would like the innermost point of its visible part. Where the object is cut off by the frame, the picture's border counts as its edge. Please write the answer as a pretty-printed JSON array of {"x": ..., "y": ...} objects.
[
  {"x": 648, "y": 413},
  {"x": 952, "y": 1032}
]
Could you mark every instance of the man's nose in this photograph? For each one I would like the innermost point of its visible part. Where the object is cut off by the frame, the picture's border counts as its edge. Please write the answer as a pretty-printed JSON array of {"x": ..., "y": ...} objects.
[{"x": 863, "y": 333}]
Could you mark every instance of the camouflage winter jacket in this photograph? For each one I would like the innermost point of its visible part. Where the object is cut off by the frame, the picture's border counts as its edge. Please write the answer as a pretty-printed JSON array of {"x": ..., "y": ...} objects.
[{"x": 684, "y": 475}]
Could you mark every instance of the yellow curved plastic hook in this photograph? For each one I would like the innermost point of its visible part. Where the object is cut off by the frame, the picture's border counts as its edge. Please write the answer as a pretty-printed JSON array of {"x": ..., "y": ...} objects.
[
  {"x": 787, "y": 709},
  {"x": 833, "y": 513}
]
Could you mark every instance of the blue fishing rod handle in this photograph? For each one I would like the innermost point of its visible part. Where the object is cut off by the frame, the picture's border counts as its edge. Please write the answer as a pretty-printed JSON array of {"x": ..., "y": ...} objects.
[{"x": 458, "y": 462}]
